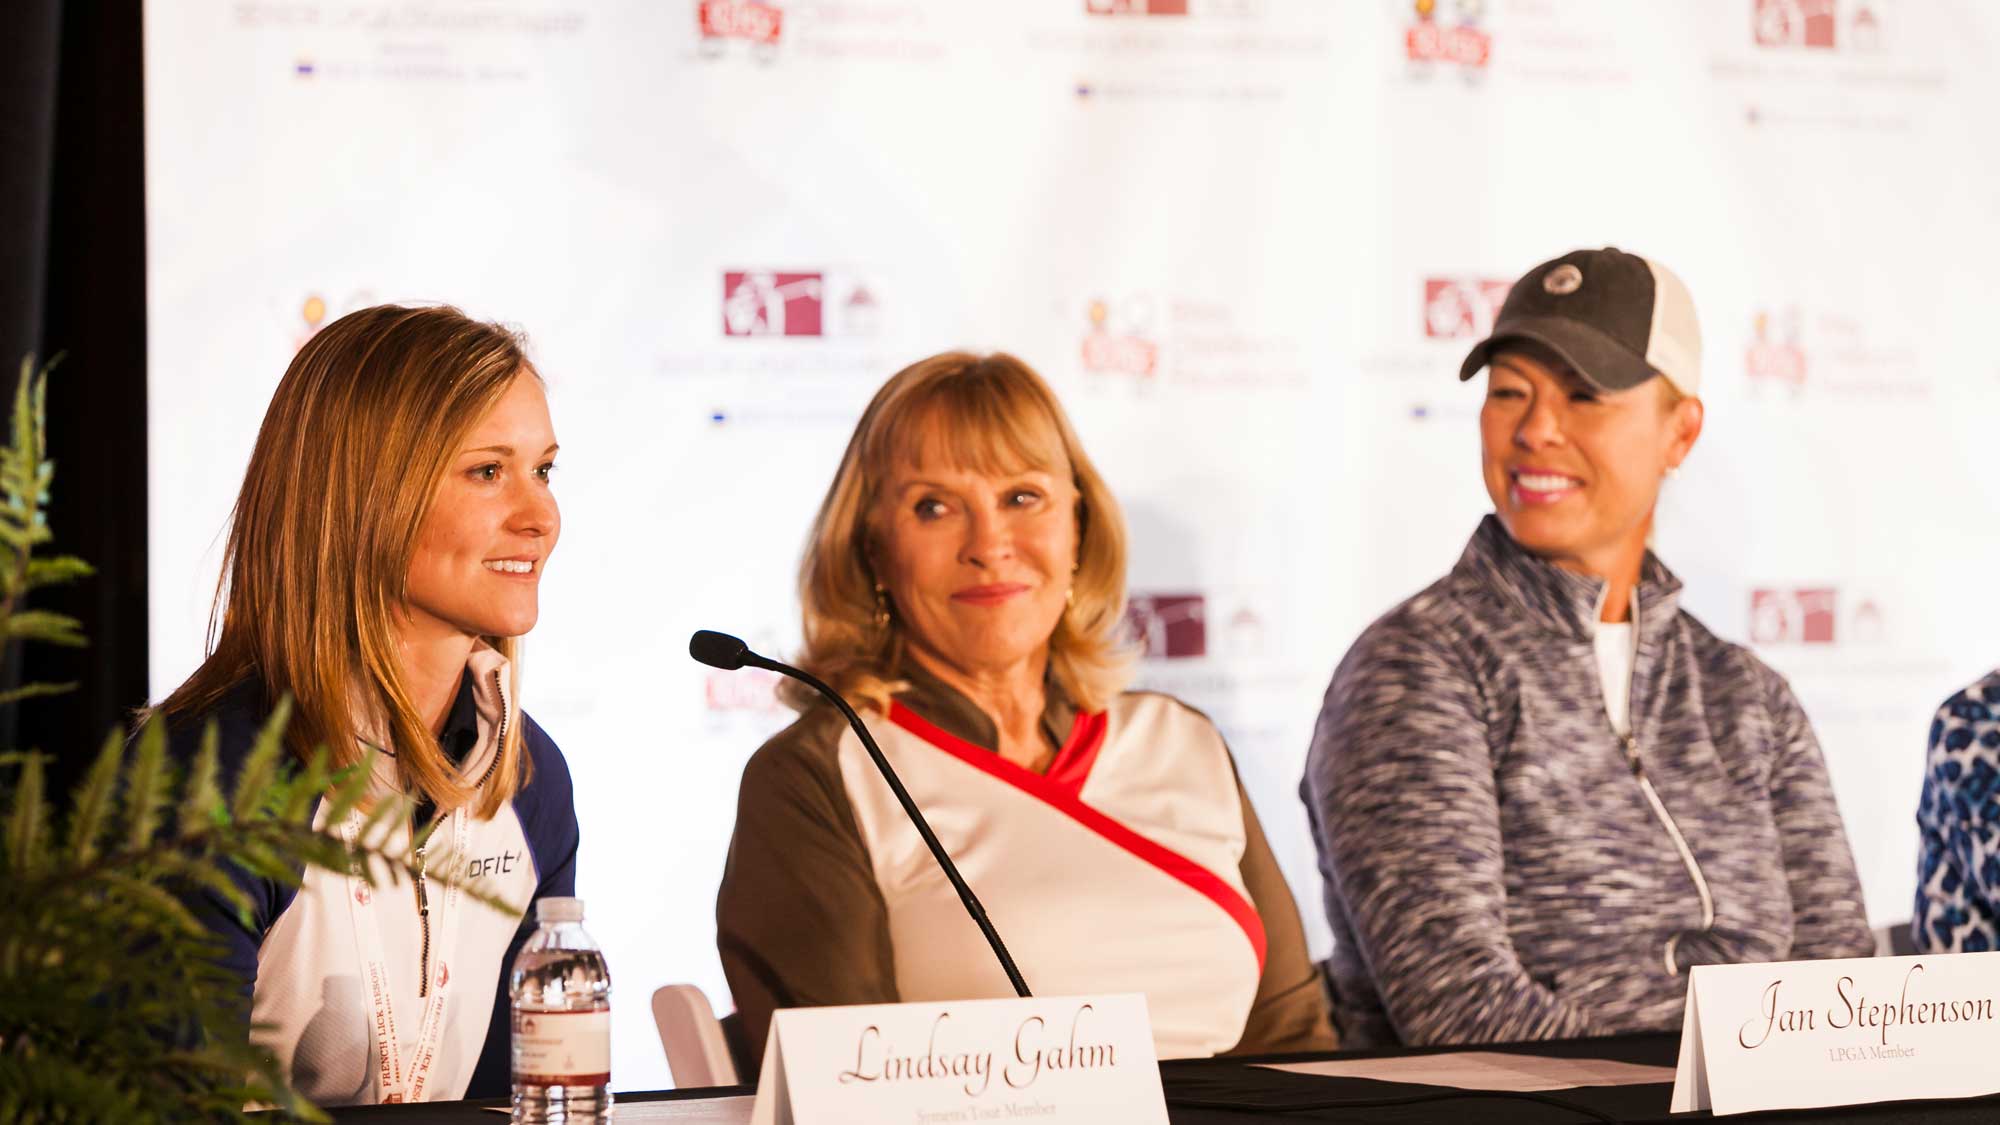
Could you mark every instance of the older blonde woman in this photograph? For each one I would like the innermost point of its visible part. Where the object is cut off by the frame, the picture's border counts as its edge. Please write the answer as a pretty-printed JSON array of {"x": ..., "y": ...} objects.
[{"x": 963, "y": 584}]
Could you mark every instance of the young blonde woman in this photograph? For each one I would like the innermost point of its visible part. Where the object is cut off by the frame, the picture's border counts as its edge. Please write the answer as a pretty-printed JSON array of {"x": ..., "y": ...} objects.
[
  {"x": 384, "y": 555},
  {"x": 963, "y": 585}
]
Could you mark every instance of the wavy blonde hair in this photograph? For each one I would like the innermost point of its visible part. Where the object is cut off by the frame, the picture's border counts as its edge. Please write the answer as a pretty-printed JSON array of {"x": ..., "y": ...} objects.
[
  {"x": 363, "y": 426},
  {"x": 990, "y": 414}
]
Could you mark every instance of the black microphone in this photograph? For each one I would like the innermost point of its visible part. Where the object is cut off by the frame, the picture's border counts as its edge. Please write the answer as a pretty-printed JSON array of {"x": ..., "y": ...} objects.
[{"x": 720, "y": 650}]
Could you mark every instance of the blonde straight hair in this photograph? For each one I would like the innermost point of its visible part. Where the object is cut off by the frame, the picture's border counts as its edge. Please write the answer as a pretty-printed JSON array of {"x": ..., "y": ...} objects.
[
  {"x": 991, "y": 414},
  {"x": 359, "y": 433}
]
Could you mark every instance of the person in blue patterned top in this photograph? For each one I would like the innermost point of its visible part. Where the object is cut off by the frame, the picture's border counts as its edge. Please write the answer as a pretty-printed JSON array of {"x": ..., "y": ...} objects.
[{"x": 1958, "y": 823}]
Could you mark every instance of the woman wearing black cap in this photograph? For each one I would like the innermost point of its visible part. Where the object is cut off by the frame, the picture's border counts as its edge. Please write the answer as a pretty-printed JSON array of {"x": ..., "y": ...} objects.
[{"x": 1541, "y": 790}]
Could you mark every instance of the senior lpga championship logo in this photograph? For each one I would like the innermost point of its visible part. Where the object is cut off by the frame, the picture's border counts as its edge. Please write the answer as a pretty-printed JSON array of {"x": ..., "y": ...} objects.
[{"x": 1448, "y": 33}]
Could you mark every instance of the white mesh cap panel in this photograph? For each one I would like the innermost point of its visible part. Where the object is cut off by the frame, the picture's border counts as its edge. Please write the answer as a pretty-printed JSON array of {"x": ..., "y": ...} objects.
[{"x": 1673, "y": 348}]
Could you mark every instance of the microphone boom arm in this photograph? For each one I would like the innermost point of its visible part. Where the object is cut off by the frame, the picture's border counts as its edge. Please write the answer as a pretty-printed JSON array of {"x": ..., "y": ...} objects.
[{"x": 910, "y": 809}]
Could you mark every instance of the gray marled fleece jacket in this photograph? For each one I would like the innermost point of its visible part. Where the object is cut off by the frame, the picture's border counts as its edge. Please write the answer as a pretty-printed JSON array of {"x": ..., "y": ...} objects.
[{"x": 1500, "y": 865}]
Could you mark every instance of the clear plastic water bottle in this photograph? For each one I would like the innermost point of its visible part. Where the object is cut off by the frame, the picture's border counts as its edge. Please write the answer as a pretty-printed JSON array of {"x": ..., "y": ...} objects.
[{"x": 562, "y": 1021}]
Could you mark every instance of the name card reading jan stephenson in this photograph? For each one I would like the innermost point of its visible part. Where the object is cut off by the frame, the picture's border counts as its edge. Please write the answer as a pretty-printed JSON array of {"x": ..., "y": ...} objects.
[
  {"x": 1800, "y": 1034},
  {"x": 1049, "y": 1060}
]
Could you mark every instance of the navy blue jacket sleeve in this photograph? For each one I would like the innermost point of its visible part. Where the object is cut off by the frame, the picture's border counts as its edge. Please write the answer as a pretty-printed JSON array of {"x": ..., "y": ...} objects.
[
  {"x": 237, "y": 719},
  {"x": 547, "y": 809}
]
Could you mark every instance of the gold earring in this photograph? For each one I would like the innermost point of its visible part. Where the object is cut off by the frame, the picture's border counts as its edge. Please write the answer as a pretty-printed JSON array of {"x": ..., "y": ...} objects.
[{"x": 881, "y": 617}]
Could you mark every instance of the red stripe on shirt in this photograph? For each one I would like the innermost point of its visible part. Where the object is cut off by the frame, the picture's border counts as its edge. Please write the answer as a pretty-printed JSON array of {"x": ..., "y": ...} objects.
[{"x": 1082, "y": 748}]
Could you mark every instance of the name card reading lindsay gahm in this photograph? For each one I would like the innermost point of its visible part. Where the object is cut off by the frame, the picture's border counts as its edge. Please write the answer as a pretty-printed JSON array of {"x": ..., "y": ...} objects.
[
  {"x": 876, "y": 1060},
  {"x": 1052, "y": 1059}
]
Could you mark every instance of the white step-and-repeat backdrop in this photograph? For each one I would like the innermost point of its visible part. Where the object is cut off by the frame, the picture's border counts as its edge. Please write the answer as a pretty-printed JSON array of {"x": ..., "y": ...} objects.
[{"x": 1247, "y": 240}]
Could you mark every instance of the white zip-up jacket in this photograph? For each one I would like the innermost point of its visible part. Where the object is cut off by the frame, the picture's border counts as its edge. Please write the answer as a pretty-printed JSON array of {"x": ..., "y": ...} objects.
[
  {"x": 302, "y": 957},
  {"x": 1499, "y": 864}
]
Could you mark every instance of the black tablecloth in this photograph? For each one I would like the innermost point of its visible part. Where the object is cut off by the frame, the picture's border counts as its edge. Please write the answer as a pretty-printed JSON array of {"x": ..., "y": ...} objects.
[{"x": 1235, "y": 1092}]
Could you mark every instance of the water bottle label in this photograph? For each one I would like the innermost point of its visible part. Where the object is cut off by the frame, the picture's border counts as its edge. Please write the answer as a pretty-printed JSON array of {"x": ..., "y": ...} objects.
[{"x": 562, "y": 1048}]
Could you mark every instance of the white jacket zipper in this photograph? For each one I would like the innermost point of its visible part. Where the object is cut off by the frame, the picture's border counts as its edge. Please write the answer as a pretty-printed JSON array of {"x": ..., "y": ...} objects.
[
  {"x": 1659, "y": 807},
  {"x": 1666, "y": 818},
  {"x": 1680, "y": 845},
  {"x": 423, "y": 863}
]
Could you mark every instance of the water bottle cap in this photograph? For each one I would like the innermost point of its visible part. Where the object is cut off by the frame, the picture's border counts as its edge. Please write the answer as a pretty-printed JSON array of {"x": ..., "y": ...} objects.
[{"x": 554, "y": 909}]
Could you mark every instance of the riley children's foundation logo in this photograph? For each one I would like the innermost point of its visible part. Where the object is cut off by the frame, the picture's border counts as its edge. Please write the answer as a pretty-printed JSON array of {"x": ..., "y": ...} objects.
[
  {"x": 1448, "y": 34},
  {"x": 797, "y": 303},
  {"x": 769, "y": 303},
  {"x": 1168, "y": 626},
  {"x": 1120, "y": 338},
  {"x": 1794, "y": 616},
  {"x": 721, "y": 22},
  {"x": 1457, "y": 308},
  {"x": 1775, "y": 354},
  {"x": 1136, "y": 7},
  {"x": 1820, "y": 25}
]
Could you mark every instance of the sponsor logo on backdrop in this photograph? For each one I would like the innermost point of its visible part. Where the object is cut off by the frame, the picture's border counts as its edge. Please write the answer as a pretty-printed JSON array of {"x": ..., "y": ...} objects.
[
  {"x": 745, "y": 691},
  {"x": 1146, "y": 339},
  {"x": 1136, "y": 7},
  {"x": 1448, "y": 34},
  {"x": 1459, "y": 308},
  {"x": 1187, "y": 625},
  {"x": 1775, "y": 354},
  {"x": 723, "y": 22},
  {"x": 316, "y": 310},
  {"x": 1817, "y": 25},
  {"x": 1802, "y": 616},
  {"x": 1820, "y": 353},
  {"x": 1793, "y": 23},
  {"x": 1168, "y": 626},
  {"x": 769, "y": 303},
  {"x": 751, "y": 690},
  {"x": 1119, "y": 339},
  {"x": 797, "y": 303}
]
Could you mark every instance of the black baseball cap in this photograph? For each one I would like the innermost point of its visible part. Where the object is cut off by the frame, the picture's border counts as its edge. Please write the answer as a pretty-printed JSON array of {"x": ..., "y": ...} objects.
[{"x": 1615, "y": 318}]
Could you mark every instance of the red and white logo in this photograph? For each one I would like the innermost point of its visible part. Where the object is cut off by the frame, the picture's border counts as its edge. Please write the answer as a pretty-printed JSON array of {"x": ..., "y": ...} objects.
[
  {"x": 722, "y": 20},
  {"x": 747, "y": 690},
  {"x": 1457, "y": 40},
  {"x": 1462, "y": 307},
  {"x": 1795, "y": 23},
  {"x": 1775, "y": 354},
  {"x": 1168, "y": 626},
  {"x": 1136, "y": 7},
  {"x": 769, "y": 303},
  {"x": 1120, "y": 341},
  {"x": 1794, "y": 616}
]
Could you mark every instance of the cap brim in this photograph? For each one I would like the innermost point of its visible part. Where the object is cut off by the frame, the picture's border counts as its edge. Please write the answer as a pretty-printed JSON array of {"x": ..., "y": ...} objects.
[{"x": 1602, "y": 362}]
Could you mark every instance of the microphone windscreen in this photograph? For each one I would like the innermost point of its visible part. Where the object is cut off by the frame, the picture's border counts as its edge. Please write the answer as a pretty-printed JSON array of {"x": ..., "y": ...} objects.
[{"x": 717, "y": 650}]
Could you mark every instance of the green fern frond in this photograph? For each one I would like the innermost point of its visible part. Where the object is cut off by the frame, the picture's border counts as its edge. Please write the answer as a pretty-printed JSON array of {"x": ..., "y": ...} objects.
[
  {"x": 27, "y": 821},
  {"x": 56, "y": 571},
  {"x": 146, "y": 787},
  {"x": 45, "y": 626},
  {"x": 93, "y": 800},
  {"x": 201, "y": 798},
  {"x": 32, "y": 691},
  {"x": 260, "y": 766}
]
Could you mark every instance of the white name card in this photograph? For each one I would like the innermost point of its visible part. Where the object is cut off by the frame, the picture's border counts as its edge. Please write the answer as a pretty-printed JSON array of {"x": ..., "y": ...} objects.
[
  {"x": 1800, "y": 1034},
  {"x": 1049, "y": 1060}
]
